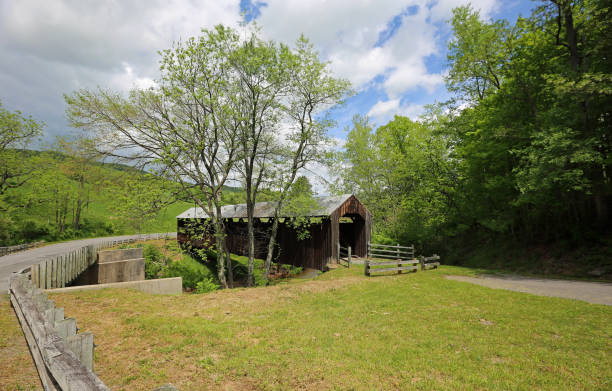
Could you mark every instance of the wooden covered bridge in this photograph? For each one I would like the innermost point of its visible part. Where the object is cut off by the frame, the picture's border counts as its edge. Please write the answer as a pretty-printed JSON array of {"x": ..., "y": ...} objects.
[{"x": 337, "y": 220}]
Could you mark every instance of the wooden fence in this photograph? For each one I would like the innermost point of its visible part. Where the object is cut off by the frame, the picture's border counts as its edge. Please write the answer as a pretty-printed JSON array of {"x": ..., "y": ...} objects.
[
  {"x": 18, "y": 247},
  {"x": 60, "y": 271},
  {"x": 390, "y": 252},
  {"x": 430, "y": 262},
  {"x": 399, "y": 266},
  {"x": 345, "y": 252},
  {"x": 63, "y": 358},
  {"x": 401, "y": 258}
]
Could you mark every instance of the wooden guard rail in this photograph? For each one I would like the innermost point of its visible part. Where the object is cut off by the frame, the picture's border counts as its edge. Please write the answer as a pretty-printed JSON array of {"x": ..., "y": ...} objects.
[
  {"x": 63, "y": 358},
  {"x": 18, "y": 247},
  {"x": 62, "y": 270},
  {"x": 373, "y": 266},
  {"x": 345, "y": 252},
  {"x": 390, "y": 252}
]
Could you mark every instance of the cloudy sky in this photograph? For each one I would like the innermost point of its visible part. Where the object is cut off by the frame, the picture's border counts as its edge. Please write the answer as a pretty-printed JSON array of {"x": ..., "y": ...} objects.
[{"x": 393, "y": 51}]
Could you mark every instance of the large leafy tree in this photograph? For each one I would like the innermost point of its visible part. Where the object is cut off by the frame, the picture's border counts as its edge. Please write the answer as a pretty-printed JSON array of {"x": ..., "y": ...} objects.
[
  {"x": 401, "y": 171},
  {"x": 184, "y": 128},
  {"x": 219, "y": 109},
  {"x": 16, "y": 134},
  {"x": 533, "y": 139}
]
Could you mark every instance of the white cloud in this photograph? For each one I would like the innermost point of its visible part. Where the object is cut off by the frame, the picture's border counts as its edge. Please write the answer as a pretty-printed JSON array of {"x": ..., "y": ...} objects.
[
  {"x": 346, "y": 32},
  {"x": 54, "y": 47},
  {"x": 129, "y": 79},
  {"x": 383, "y": 111}
]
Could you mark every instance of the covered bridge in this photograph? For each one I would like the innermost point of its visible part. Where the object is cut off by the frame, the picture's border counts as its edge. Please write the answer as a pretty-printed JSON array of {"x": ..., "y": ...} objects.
[{"x": 337, "y": 219}]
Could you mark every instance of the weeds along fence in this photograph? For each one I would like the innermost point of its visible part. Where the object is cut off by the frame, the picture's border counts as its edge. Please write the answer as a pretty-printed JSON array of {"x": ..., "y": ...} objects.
[
  {"x": 60, "y": 271},
  {"x": 18, "y": 247},
  {"x": 345, "y": 254}
]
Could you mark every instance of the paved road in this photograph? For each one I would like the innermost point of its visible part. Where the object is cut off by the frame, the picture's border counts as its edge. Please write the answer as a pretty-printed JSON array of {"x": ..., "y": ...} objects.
[
  {"x": 591, "y": 292},
  {"x": 14, "y": 262}
]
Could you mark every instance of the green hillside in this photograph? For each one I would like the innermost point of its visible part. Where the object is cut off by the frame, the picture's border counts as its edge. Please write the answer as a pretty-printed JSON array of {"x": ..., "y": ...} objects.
[{"x": 45, "y": 207}]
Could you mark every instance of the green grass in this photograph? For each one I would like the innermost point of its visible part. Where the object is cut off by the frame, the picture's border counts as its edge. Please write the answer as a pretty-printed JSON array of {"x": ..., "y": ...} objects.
[
  {"x": 346, "y": 331},
  {"x": 561, "y": 259}
]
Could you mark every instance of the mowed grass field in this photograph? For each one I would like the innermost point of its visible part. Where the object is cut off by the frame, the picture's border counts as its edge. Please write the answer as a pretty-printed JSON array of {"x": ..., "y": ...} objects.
[
  {"x": 17, "y": 370},
  {"x": 345, "y": 331}
]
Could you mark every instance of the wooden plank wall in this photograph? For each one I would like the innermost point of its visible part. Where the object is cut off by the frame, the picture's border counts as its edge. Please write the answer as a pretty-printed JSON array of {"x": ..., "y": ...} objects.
[{"x": 314, "y": 252}]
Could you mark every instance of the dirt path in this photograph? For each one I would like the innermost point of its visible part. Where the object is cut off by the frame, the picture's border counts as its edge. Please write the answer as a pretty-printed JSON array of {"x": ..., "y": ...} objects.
[
  {"x": 591, "y": 292},
  {"x": 14, "y": 262}
]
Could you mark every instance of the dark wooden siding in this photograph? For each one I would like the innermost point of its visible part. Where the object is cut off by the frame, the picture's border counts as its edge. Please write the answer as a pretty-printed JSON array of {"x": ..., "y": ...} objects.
[
  {"x": 315, "y": 251},
  {"x": 352, "y": 206}
]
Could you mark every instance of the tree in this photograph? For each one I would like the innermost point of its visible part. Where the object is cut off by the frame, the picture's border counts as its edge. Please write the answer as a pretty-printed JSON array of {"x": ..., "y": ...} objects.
[
  {"x": 402, "y": 173},
  {"x": 16, "y": 133},
  {"x": 262, "y": 68},
  {"x": 533, "y": 147},
  {"x": 184, "y": 128},
  {"x": 140, "y": 197},
  {"x": 311, "y": 89},
  {"x": 81, "y": 168}
]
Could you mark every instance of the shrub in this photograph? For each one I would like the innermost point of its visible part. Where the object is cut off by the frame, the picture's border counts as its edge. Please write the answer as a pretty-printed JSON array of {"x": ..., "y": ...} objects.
[
  {"x": 155, "y": 261},
  {"x": 31, "y": 230},
  {"x": 190, "y": 270},
  {"x": 292, "y": 270},
  {"x": 206, "y": 285}
]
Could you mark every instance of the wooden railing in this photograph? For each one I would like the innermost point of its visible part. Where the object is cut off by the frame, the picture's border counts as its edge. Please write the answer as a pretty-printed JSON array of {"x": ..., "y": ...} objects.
[
  {"x": 390, "y": 252},
  {"x": 430, "y": 262},
  {"x": 18, "y": 247},
  {"x": 62, "y": 270},
  {"x": 374, "y": 266},
  {"x": 400, "y": 257},
  {"x": 344, "y": 252},
  {"x": 63, "y": 358}
]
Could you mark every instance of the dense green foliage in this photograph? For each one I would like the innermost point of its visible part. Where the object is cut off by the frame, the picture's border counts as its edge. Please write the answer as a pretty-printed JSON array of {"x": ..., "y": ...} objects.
[
  {"x": 67, "y": 198},
  {"x": 523, "y": 150}
]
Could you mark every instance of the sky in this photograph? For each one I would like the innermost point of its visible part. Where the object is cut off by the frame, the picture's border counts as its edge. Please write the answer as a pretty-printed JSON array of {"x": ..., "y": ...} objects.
[{"x": 392, "y": 51}]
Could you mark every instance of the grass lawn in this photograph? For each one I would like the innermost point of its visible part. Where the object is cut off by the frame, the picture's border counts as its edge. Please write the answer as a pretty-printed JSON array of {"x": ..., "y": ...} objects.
[
  {"x": 346, "y": 331},
  {"x": 17, "y": 370}
]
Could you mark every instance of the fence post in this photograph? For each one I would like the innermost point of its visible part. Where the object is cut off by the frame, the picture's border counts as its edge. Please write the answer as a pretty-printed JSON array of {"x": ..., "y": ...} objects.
[
  {"x": 368, "y": 249},
  {"x": 349, "y": 256},
  {"x": 422, "y": 261},
  {"x": 338, "y": 251},
  {"x": 367, "y": 267},
  {"x": 399, "y": 260}
]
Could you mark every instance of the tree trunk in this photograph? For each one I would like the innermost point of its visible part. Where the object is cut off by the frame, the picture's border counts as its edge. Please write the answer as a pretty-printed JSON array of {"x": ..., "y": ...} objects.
[
  {"x": 601, "y": 209},
  {"x": 251, "y": 241},
  {"x": 271, "y": 245},
  {"x": 228, "y": 262},
  {"x": 224, "y": 253},
  {"x": 219, "y": 240}
]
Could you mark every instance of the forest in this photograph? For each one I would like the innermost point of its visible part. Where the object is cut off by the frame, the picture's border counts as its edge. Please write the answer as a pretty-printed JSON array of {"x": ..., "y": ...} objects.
[
  {"x": 520, "y": 154},
  {"x": 518, "y": 157}
]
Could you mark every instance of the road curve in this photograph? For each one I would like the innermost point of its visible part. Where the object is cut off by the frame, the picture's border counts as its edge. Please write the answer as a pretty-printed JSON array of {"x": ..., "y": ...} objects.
[
  {"x": 14, "y": 262},
  {"x": 591, "y": 292}
]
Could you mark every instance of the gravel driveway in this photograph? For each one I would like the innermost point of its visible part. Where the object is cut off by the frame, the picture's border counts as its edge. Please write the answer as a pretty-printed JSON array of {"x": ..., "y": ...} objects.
[
  {"x": 591, "y": 292},
  {"x": 14, "y": 262}
]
